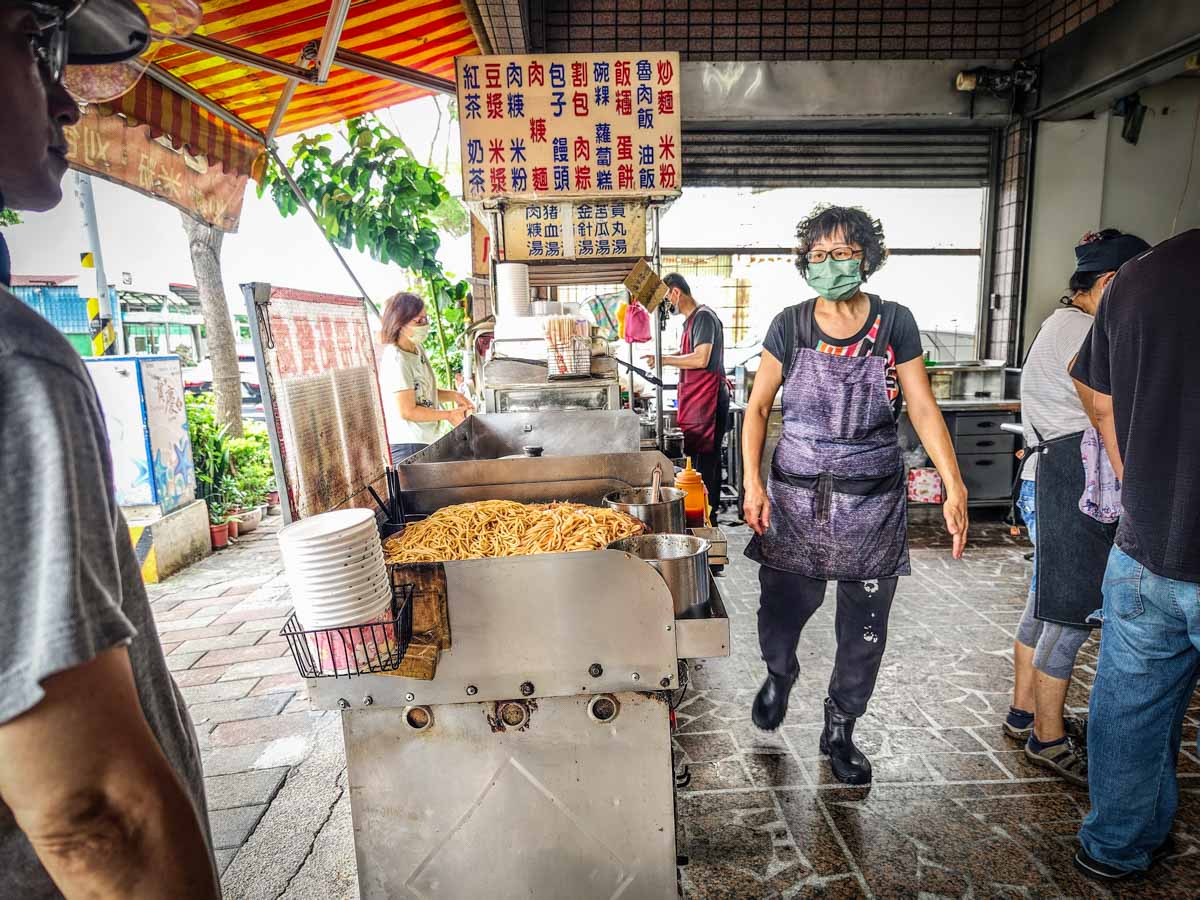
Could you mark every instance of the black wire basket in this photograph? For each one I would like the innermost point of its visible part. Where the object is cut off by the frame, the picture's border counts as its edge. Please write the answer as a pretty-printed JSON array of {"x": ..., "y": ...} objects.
[{"x": 371, "y": 647}]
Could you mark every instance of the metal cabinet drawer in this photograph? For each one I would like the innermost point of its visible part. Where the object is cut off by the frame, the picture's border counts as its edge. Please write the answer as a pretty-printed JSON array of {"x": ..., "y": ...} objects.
[
  {"x": 987, "y": 476},
  {"x": 981, "y": 423},
  {"x": 985, "y": 443}
]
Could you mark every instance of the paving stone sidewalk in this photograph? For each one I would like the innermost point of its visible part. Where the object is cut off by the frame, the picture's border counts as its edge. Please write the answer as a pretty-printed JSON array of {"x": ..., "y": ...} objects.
[{"x": 956, "y": 809}]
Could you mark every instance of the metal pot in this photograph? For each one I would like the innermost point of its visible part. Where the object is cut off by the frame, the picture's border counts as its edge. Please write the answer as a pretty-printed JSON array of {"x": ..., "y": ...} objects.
[
  {"x": 673, "y": 444},
  {"x": 682, "y": 561},
  {"x": 664, "y": 516},
  {"x": 648, "y": 426}
]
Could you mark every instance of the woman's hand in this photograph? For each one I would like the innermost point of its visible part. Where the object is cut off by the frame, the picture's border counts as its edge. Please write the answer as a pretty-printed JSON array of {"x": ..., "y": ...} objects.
[
  {"x": 461, "y": 401},
  {"x": 955, "y": 511},
  {"x": 456, "y": 416},
  {"x": 757, "y": 509}
]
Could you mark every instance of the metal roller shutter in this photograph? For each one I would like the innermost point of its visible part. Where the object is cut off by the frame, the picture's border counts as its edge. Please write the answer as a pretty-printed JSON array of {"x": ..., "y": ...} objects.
[{"x": 765, "y": 159}]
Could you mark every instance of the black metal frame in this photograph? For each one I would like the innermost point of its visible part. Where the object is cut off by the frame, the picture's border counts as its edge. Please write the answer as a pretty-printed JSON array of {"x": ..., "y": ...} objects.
[{"x": 383, "y": 643}]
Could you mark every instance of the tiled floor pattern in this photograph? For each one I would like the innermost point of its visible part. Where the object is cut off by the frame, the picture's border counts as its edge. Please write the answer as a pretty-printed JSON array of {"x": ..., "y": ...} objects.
[{"x": 955, "y": 810}]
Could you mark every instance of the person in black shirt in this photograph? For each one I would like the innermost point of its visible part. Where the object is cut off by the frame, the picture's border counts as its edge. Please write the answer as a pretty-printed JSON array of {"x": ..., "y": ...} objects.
[
  {"x": 703, "y": 393},
  {"x": 1142, "y": 364}
]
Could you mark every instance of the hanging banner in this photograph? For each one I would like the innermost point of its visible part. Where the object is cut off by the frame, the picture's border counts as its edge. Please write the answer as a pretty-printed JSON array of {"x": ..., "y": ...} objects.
[
  {"x": 106, "y": 147},
  {"x": 569, "y": 125},
  {"x": 579, "y": 229}
]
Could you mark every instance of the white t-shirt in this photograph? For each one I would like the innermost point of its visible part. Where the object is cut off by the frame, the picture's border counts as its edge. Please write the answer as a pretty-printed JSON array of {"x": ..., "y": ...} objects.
[
  {"x": 1048, "y": 399},
  {"x": 400, "y": 370}
]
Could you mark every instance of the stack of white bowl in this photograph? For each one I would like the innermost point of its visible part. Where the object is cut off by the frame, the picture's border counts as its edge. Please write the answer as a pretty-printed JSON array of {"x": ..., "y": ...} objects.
[
  {"x": 512, "y": 290},
  {"x": 334, "y": 565}
]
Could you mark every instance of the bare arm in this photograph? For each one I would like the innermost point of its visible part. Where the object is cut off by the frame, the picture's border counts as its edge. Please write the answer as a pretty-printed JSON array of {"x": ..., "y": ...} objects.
[
  {"x": 411, "y": 411},
  {"x": 459, "y": 399},
  {"x": 754, "y": 437},
  {"x": 89, "y": 786},
  {"x": 930, "y": 426},
  {"x": 697, "y": 359}
]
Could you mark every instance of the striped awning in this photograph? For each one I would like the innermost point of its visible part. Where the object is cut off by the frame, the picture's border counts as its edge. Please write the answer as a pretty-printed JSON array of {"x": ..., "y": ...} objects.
[{"x": 220, "y": 93}]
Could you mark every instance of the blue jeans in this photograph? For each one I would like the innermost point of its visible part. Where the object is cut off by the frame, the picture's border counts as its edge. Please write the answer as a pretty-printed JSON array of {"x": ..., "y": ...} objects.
[{"x": 1149, "y": 662}]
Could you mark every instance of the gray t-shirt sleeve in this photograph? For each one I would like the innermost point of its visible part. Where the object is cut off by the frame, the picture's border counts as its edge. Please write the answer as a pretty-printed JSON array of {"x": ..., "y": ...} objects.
[{"x": 61, "y": 603}]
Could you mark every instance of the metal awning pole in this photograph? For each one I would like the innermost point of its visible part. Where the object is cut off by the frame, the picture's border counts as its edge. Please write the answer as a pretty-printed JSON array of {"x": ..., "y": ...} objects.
[
  {"x": 656, "y": 251},
  {"x": 323, "y": 57},
  {"x": 390, "y": 71},
  {"x": 337, "y": 251},
  {"x": 185, "y": 90}
]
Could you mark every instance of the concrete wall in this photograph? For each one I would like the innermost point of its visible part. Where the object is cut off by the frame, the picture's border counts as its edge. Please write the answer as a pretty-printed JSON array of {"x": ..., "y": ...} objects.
[{"x": 1087, "y": 177}]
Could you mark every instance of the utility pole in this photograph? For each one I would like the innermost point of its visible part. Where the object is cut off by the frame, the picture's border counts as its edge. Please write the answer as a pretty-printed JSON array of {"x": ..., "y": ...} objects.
[{"x": 93, "y": 284}]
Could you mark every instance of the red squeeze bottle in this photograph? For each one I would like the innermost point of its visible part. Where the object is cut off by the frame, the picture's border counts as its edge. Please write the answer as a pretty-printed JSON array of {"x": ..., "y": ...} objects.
[{"x": 695, "y": 500}]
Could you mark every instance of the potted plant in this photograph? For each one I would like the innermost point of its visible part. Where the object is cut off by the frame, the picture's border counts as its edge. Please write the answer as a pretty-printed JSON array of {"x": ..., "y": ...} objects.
[
  {"x": 218, "y": 522},
  {"x": 250, "y": 464}
]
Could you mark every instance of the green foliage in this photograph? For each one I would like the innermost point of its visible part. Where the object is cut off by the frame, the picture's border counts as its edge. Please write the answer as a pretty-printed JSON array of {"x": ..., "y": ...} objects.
[
  {"x": 230, "y": 472},
  {"x": 9, "y": 217},
  {"x": 378, "y": 198}
]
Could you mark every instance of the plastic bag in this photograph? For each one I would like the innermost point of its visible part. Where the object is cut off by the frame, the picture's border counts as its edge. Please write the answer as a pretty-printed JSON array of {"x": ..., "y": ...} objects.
[{"x": 637, "y": 324}]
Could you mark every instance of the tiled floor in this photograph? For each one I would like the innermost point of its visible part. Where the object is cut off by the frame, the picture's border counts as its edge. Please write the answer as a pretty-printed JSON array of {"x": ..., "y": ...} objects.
[{"x": 955, "y": 810}]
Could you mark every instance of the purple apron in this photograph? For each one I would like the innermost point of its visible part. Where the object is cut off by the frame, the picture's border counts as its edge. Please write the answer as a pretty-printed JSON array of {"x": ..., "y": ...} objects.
[{"x": 839, "y": 508}]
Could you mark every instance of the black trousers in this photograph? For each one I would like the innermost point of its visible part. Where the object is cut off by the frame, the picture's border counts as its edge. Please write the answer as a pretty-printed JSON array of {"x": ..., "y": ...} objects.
[
  {"x": 787, "y": 603},
  {"x": 709, "y": 464}
]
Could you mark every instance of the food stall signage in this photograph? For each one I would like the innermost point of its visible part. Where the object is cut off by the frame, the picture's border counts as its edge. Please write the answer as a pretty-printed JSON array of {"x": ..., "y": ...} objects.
[
  {"x": 580, "y": 229},
  {"x": 562, "y": 125}
]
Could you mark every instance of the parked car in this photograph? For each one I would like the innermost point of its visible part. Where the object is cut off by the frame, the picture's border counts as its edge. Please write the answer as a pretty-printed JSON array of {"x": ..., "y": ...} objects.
[{"x": 198, "y": 380}]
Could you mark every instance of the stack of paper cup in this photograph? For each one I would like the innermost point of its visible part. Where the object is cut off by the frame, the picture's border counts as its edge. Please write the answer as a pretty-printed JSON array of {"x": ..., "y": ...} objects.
[
  {"x": 334, "y": 565},
  {"x": 512, "y": 290}
]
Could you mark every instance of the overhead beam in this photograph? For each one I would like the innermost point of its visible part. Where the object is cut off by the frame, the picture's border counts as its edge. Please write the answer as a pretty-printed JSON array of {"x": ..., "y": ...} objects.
[
  {"x": 381, "y": 68},
  {"x": 1125, "y": 48},
  {"x": 308, "y": 54},
  {"x": 245, "y": 57},
  {"x": 330, "y": 38},
  {"x": 185, "y": 90}
]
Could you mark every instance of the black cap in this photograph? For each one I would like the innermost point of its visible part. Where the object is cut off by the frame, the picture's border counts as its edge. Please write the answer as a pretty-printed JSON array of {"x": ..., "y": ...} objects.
[
  {"x": 101, "y": 32},
  {"x": 1108, "y": 254}
]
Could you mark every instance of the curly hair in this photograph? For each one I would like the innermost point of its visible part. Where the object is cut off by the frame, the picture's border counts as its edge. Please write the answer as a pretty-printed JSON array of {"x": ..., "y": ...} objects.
[{"x": 854, "y": 223}]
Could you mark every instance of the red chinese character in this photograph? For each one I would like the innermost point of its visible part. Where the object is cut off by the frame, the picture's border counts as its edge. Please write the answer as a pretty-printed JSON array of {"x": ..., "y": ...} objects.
[
  {"x": 537, "y": 131},
  {"x": 579, "y": 76},
  {"x": 583, "y": 178},
  {"x": 495, "y": 106},
  {"x": 624, "y": 103},
  {"x": 666, "y": 175},
  {"x": 666, "y": 147},
  {"x": 541, "y": 180},
  {"x": 581, "y": 103},
  {"x": 537, "y": 74},
  {"x": 624, "y": 146},
  {"x": 496, "y": 150},
  {"x": 492, "y": 72},
  {"x": 625, "y": 178},
  {"x": 666, "y": 103},
  {"x": 499, "y": 179},
  {"x": 666, "y": 72},
  {"x": 621, "y": 73},
  {"x": 583, "y": 149}
]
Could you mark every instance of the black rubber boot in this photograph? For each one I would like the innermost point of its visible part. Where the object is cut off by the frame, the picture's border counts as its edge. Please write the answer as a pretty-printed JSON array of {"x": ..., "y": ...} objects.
[
  {"x": 837, "y": 742},
  {"x": 770, "y": 706}
]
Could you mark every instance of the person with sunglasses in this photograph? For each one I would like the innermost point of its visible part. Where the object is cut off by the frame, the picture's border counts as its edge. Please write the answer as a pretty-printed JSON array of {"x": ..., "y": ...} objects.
[
  {"x": 413, "y": 404},
  {"x": 101, "y": 788},
  {"x": 834, "y": 507}
]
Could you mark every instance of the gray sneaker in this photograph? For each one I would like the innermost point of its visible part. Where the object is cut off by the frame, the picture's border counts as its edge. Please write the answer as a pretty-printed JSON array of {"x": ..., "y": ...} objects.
[{"x": 1067, "y": 759}]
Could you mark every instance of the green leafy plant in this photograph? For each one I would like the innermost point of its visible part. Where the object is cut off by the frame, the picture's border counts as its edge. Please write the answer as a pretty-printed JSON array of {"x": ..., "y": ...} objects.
[
  {"x": 9, "y": 217},
  {"x": 218, "y": 512},
  {"x": 252, "y": 469},
  {"x": 377, "y": 196},
  {"x": 210, "y": 445}
]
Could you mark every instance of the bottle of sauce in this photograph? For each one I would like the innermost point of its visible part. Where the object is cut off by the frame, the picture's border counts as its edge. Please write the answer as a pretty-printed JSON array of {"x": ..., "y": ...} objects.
[{"x": 695, "y": 500}]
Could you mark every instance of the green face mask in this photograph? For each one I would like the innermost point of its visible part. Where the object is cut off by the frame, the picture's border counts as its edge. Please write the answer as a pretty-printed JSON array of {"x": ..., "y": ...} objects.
[{"x": 835, "y": 279}]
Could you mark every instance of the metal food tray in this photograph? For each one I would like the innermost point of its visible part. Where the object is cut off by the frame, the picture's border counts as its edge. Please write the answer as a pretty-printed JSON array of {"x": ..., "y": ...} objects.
[
  {"x": 704, "y": 638},
  {"x": 718, "y": 551}
]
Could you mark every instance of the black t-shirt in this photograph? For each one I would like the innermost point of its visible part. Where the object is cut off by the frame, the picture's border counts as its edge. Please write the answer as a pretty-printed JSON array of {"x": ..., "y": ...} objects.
[
  {"x": 1142, "y": 352},
  {"x": 707, "y": 329},
  {"x": 903, "y": 345}
]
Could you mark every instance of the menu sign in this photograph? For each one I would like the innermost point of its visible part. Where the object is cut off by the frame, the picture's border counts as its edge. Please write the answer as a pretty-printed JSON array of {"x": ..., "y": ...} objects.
[
  {"x": 563, "y": 125},
  {"x": 580, "y": 229}
]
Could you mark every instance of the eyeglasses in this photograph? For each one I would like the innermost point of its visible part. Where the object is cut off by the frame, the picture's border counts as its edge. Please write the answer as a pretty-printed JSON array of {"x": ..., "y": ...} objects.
[
  {"x": 841, "y": 254},
  {"x": 50, "y": 42}
]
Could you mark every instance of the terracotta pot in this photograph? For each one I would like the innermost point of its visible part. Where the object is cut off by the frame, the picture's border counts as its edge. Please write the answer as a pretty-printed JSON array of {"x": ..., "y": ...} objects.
[
  {"x": 233, "y": 523},
  {"x": 219, "y": 535}
]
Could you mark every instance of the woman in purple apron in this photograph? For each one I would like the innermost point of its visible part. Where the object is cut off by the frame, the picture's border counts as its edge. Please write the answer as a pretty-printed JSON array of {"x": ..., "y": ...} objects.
[{"x": 834, "y": 507}]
